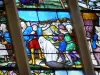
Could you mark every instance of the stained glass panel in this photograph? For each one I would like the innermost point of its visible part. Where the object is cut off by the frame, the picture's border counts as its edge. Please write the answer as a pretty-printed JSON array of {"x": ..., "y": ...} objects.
[
  {"x": 6, "y": 53},
  {"x": 89, "y": 4},
  {"x": 7, "y": 58},
  {"x": 44, "y": 4},
  {"x": 92, "y": 27},
  {"x": 50, "y": 41}
]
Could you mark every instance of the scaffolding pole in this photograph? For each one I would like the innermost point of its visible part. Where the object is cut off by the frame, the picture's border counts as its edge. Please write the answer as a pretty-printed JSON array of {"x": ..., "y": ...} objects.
[
  {"x": 78, "y": 25},
  {"x": 17, "y": 37}
]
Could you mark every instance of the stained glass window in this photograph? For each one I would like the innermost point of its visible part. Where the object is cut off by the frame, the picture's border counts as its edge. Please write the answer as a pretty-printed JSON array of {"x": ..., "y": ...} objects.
[
  {"x": 91, "y": 22},
  {"x": 89, "y": 4},
  {"x": 47, "y": 4},
  {"x": 49, "y": 37}
]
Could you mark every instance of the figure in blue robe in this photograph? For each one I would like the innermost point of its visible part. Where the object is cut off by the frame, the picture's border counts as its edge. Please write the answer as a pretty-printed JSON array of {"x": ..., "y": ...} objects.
[
  {"x": 62, "y": 49},
  {"x": 95, "y": 37},
  {"x": 7, "y": 37},
  {"x": 27, "y": 37}
]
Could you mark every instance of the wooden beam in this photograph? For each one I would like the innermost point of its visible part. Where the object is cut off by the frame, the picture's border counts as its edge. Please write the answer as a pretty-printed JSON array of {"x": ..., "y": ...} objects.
[
  {"x": 16, "y": 34},
  {"x": 81, "y": 36},
  {"x": 61, "y": 1}
]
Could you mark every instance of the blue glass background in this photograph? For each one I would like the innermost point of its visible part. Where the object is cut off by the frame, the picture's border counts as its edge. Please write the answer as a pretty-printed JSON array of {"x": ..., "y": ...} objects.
[{"x": 42, "y": 15}]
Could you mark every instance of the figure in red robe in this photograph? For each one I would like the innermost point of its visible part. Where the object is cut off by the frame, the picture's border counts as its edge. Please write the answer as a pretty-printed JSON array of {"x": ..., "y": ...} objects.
[{"x": 33, "y": 46}]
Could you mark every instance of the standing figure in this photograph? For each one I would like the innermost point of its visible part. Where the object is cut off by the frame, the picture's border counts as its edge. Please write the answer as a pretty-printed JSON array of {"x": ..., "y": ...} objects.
[
  {"x": 28, "y": 32},
  {"x": 62, "y": 46},
  {"x": 96, "y": 44},
  {"x": 27, "y": 37},
  {"x": 71, "y": 49}
]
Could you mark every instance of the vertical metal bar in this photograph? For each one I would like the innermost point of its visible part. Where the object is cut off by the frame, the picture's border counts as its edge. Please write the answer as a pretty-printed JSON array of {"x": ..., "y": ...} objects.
[
  {"x": 16, "y": 33},
  {"x": 80, "y": 33}
]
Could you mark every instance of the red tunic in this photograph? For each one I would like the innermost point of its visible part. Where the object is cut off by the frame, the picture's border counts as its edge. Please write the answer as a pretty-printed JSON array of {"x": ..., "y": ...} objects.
[{"x": 34, "y": 44}]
